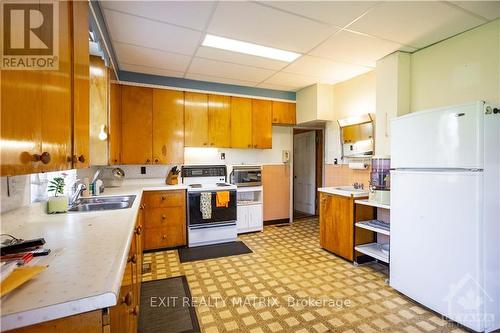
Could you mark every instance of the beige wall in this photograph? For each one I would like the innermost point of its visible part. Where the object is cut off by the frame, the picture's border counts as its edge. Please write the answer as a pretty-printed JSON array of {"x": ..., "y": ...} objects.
[
  {"x": 350, "y": 98},
  {"x": 458, "y": 70}
]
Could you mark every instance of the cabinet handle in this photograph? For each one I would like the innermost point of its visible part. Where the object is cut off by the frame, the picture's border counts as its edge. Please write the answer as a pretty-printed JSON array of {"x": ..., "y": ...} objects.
[
  {"x": 275, "y": 119},
  {"x": 45, "y": 157},
  {"x": 156, "y": 160},
  {"x": 205, "y": 144},
  {"x": 127, "y": 299},
  {"x": 164, "y": 237},
  {"x": 142, "y": 206},
  {"x": 138, "y": 230},
  {"x": 163, "y": 198},
  {"x": 148, "y": 161},
  {"x": 212, "y": 143},
  {"x": 249, "y": 146},
  {"x": 135, "y": 310},
  {"x": 81, "y": 159},
  {"x": 163, "y": 217},
  {"x": 132, "y": 259}
]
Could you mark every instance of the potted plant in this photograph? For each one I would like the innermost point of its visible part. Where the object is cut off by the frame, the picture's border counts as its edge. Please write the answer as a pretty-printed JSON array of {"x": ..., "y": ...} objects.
[{"x": 59, "y": 202}]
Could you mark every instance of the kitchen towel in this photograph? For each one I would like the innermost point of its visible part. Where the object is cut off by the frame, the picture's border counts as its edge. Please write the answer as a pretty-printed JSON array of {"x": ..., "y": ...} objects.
[
  {"x": 222, "y": 199},
  {"x": 206, "y": 205}
]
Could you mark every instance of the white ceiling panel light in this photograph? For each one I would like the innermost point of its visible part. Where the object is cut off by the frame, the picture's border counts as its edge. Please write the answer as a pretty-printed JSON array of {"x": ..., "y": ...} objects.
[{"x": 249, "y": 48}]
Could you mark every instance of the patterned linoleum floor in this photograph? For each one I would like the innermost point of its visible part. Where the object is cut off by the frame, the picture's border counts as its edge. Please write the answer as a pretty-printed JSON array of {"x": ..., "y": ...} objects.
[{"x": 290, "y": 285}]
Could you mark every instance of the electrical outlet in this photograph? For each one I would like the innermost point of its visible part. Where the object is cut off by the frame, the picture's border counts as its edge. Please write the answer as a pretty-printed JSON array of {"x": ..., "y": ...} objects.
[
  {"x": 222, "y": 156},
  {"x": 143, "y": 170}
]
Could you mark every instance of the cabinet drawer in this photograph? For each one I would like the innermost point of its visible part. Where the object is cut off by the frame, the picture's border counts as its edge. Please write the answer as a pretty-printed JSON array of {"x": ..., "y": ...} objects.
[
  {"x": 173, "y": 217},
  {"x": 156, "y": 238},
  {"x": 165, "y": 199}
]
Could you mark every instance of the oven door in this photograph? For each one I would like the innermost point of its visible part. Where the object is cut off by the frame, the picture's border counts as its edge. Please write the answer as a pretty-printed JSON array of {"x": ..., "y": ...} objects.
[{"x": 220, "y": 215}]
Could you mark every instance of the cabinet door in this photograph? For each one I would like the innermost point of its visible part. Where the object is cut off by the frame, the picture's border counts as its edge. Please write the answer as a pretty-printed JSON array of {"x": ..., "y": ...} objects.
[
  {"x": 325, "y": 222},
  {"x": 115, "y": 124},
  {"x": 99, "y": 91},
  {"x": 262, "y": 136},
  {"x": 255, "y": 221},
  {"x": 81, "y": 88},
  {"x": 241, "y": 218},
  {"x": 137, "y": 124},
  {"x": 219, "y": 121},
  {"x": 119, "y": 315},
  {"x": 56, "y": 101},
  {"x": 168, "y": 126},
  {"x": 241, "y": 122},
  {"x": 196, "y": 119},
  {"x": 284, "y": 113},
  {"x": 343, "y": 225}
]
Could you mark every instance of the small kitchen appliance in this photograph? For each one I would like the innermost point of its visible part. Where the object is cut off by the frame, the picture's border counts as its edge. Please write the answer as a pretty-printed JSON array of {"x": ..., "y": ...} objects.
[
  {"x": 380, "y": 180},
  {"x": 209, "y": 220},
  {"x": 246, "y": 175}
]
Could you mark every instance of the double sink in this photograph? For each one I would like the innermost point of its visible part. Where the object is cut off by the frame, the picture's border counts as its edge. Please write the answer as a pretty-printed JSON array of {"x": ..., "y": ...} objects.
[{"x": 103, "y": 203}]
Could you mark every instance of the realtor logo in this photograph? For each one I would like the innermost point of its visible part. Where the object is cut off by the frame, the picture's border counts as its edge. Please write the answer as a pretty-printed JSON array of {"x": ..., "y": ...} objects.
[{"x": 30, "y": 35}]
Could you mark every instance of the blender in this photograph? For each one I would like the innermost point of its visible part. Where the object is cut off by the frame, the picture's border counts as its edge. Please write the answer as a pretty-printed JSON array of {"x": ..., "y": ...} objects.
[{"x": 380, "y": 180}]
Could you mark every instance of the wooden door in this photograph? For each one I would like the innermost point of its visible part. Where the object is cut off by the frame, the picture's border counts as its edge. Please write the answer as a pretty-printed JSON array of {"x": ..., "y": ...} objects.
[
  {"x": 137, "y": 125},
  {"x": 196, "y": 119},
  {"x": 115, "y": 126},
  {"x": 56, "y": 100},
  {"x": 262, "y": 136},
  {"x": 168, "y": 126},
  {"x": 80, "y": 85},
  {"x": 284, "y": 113},
  {"x": 241, "y": 122},
  {"x": 219, "y": 121}
]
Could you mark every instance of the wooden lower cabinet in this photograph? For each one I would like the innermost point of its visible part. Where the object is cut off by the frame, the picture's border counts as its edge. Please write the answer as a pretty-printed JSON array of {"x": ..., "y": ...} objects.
[
  {"x": 164, "y": 219},
  {"x": 336, "y": 221}
]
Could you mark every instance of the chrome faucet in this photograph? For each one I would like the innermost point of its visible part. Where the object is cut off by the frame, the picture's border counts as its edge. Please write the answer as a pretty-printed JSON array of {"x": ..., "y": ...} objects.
[
  {"x": 358, "y": 186},
  {"x": 78, "y": 188}
]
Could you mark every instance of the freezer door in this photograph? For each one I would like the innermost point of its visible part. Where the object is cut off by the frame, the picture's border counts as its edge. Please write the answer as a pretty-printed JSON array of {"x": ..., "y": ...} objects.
[
  {"x": 436, "y": 242},
  {"x": 439, "y": 138}
]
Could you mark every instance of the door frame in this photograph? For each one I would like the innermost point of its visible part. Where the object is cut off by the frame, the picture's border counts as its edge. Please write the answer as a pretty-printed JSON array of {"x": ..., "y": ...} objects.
[{"x": 319, "y": 163}]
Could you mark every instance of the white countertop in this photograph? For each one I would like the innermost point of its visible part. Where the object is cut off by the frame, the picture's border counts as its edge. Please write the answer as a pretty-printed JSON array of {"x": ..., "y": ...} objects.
[
  {"x": 345, "y": 193},
  {"x": 86, "y": 265}
]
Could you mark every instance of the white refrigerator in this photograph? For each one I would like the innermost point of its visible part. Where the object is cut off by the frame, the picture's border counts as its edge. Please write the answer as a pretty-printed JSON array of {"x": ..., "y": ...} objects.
[{"x": 445, "y": 212}]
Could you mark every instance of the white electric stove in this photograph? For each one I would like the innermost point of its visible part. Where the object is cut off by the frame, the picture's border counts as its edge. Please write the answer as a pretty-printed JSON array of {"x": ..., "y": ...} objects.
[{"x": 220, "y": 227}]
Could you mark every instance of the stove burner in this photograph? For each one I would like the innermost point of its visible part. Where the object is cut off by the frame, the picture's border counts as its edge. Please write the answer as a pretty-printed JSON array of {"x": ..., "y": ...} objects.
[
  {"x": 222, "y": 184},
  {"x": 195, "y": 185}
]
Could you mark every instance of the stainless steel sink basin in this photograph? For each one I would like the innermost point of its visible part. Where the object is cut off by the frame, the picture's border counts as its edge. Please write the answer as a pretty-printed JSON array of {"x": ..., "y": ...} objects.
[
  {"x": 350, "y": 189},
  {"x": 103, "y": 203}
]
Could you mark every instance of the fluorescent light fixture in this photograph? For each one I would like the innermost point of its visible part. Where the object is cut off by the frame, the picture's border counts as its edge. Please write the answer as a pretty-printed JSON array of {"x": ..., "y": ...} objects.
[{"x": 249, "y": 48}]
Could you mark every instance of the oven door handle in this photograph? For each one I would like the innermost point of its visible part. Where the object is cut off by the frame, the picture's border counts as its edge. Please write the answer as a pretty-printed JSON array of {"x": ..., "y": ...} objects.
[{"x": 212, "y": 225}]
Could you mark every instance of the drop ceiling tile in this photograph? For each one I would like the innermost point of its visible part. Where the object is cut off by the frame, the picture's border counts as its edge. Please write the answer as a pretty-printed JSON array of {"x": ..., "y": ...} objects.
[
  {"x": 251, "y": 22},
  {"x": 228, "y": 70},
  {"x": 239, "y": 58},
  {"x": 192, "y": 14},
  {"x": 275, "y": 87},
  {"x": 150, "y": 70},
  {"x": 486, "y": 9},
  {"x": 293, "y": 81},
  {"x": 338, "y": 13},
  {"x": 355, "y": 48},
  {"x": 414, "y": 23},
  {"x": 142, "y": 32},
  {"x": 329, "y": 71},
  {"x": 131, "y": 54},
  {"x": 207, "y": 78}
]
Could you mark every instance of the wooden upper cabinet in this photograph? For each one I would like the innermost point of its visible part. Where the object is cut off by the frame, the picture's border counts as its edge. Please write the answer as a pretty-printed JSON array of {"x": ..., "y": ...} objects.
[
  {"x": 99, "y": 101},
  {"x": 168, "y": 126},
  {"x": 115, "y": 127},
  {"x": 284, "y": 113},
  {"x": 196, "y": 119},
  {"x": 262, "y": 133},
  {"x": 219, "y": 121},
  {"x": 241, "y": 122},
  {"x": 137, "y": 125},
  {"x": 80, "y": 84},
  {"x": 56, "y": 100}
]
